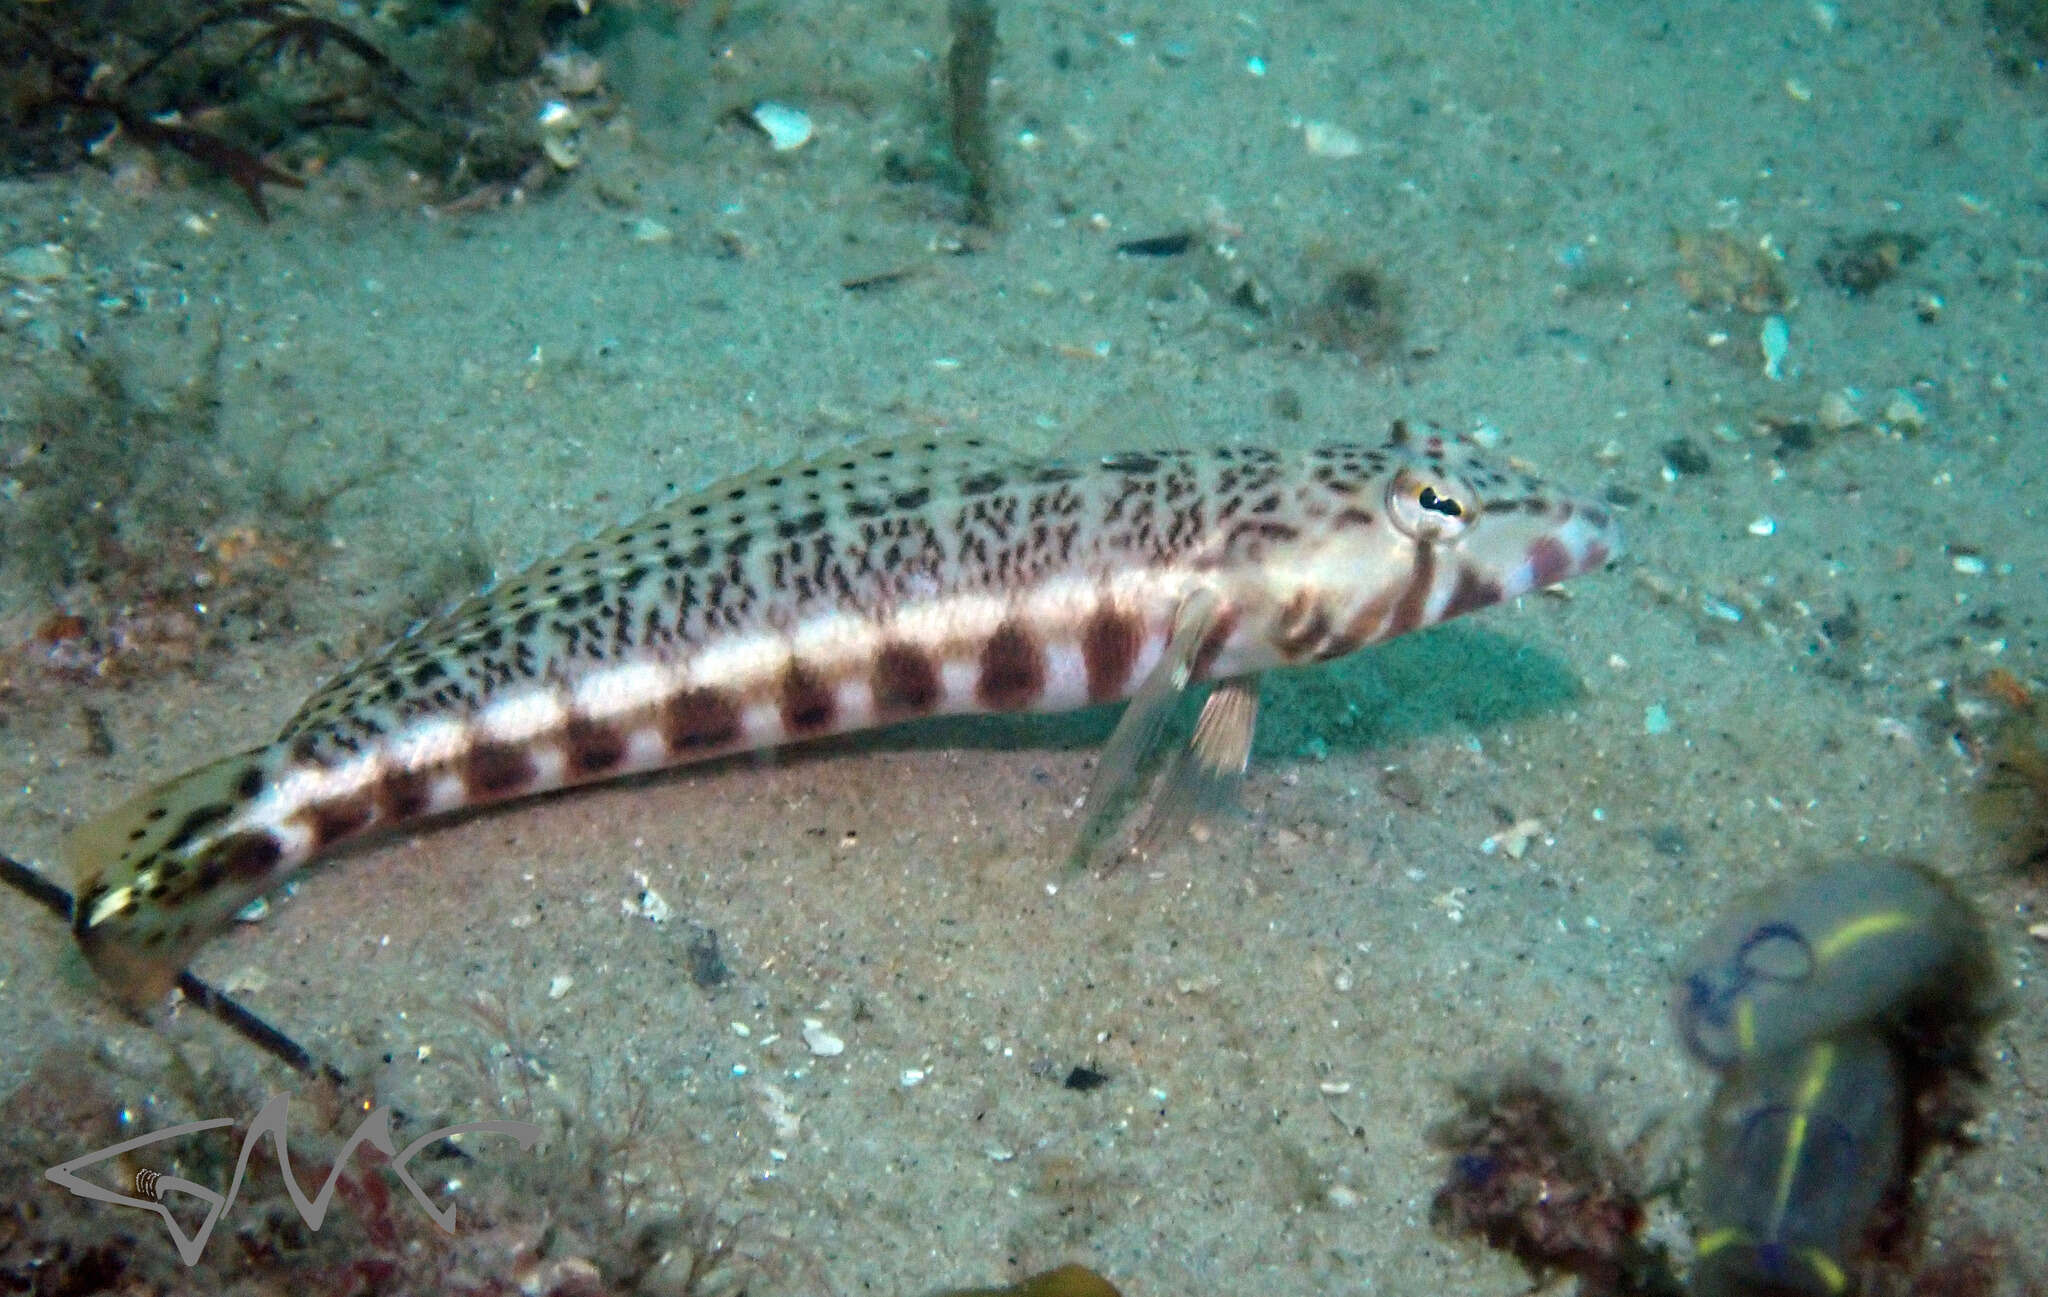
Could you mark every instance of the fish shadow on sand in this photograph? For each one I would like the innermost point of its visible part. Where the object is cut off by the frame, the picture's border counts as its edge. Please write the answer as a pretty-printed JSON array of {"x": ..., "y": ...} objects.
[{"x": 1451, "y": 679}]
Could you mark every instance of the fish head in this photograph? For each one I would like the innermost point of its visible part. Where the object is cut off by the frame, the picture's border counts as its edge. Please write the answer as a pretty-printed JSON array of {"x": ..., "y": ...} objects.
[
  {"x": 1426, "y": 531},
  {"x": 1488, "y": 533}
]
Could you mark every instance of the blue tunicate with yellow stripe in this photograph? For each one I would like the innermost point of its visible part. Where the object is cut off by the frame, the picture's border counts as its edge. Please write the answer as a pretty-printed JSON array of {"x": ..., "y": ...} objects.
[
  {"x": 1831, "y": 948},
  {"x": 1798, "y": 1155}
]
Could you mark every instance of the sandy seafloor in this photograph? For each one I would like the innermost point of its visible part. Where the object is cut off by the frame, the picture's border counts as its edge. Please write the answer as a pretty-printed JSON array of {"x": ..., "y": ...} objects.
[{"x": 1278, "y": 1009}]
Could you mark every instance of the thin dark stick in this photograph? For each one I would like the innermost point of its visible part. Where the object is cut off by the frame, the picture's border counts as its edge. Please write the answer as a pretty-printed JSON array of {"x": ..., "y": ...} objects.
[
  {"x": 970, "y": 62},
  {"x": 244, "y": 1023},
  {"x": 31, "y": 883},
  {"x": 271, "y": 10},
  {"x": 310, "y": 34}
]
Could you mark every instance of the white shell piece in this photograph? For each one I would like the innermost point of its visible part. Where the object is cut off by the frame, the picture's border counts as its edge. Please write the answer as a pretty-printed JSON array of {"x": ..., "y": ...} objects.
[
  {"x": 1775, "y": 339},
  {"x": 786, "y": 127},
  {"x": 822, "y": 1042},
  {"x": 1326, "y": 140}
]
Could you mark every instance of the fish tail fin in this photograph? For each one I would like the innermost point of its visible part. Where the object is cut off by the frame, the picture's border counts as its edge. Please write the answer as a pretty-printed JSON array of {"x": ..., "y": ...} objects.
[{"x": 156, "y": 876}]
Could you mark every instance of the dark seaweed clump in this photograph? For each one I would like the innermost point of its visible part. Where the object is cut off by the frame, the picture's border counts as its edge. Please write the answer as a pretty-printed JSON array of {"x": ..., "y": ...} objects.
[
  {"x": 261, "y": 92},
  {"x": 149, "y": 548},
  {"x": 1531, "y": 1176},
  {"x": 1861, "y": 265},
  {"x": 1362, "y": 310},
  {"x": 2019, "y": 36},
  {"x": 2011, "y": 804}
]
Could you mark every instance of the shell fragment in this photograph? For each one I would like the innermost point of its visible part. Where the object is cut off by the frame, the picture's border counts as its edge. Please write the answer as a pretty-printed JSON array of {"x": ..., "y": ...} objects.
[
  {"x": 786, "y": 127},
  {"x": 1328, "y": 140},
  {"x": 1774, "y": 340}
]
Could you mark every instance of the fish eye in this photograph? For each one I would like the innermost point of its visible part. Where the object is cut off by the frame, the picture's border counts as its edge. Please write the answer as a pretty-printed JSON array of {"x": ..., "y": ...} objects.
[{"x": 1430, "y": 507}]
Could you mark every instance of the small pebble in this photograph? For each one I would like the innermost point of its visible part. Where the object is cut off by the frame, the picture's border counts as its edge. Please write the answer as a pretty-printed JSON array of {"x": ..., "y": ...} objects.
[
  {"x": 36, "y": 263},
  {"x": 775, "y": 1106},
  {"x": 248, "y": 980},
  {"x": 1838, "y": 412},
  {"x": 822, "y": 1042},
  {"x": 1325, "y": 140},
  {"x": 1683, "y": 457},
  {"x": 1775, "y": 338},
  {"x": 573, "y": 72},
  {"x": 1764, "y": 526},
  {"x": 1656, "y": 720},
  {"x": 649, "y": 230},
  {"x": 647, "y": 903},
  {"x": 559, "y": 984},
  {"x": 787, "y": 128},
  {"x": 1904, "y": 413},
  {"x": 1513, "y": 841}
]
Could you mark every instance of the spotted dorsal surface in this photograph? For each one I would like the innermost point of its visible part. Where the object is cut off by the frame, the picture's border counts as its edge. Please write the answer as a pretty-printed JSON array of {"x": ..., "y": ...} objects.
[{"x": 874, "y": 584}]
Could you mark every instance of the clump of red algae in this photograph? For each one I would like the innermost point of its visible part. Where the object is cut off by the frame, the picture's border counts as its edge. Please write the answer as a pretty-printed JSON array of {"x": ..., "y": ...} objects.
[
  {"x": 132, "y": 546},
  {"x": 1531, "y": 1176}
]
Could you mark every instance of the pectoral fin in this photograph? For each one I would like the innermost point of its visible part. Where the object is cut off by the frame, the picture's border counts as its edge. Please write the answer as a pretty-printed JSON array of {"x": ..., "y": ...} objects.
[
  {"x": 1203, "y": 782},
  {"x": 1137, "y": 735}
]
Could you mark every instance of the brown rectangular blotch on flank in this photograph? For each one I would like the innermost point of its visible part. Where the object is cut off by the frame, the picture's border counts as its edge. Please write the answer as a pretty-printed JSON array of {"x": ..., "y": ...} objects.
[
  {"x": 1110, "y": 642},
  {"x": 251, "y": 855},
  {"x": 1012, "y": 669},
  {"x": 594, "y": 747},
  {"x": 700, "y": 718},
  {"x": 1549, "y": 561},
  {"x": 250, "y": 782},
  {"x": 403, "y": 794},
  {"x": 1303, "y": 625},
  {"x": 1472, "y": 592},
  {"x": 198, "y": 821},
  {"x": 807, "y": 702},
  {"x": 239, "y": 857},
  {"x": 905, "y": 681},
  {"x": 1212, "y": 643},
  {"x": 335, "y": 820},
  {"x": 497, "y": 770},
  {"x": 1414, "y": 599},
  {"x": 1364, "y": 625}
]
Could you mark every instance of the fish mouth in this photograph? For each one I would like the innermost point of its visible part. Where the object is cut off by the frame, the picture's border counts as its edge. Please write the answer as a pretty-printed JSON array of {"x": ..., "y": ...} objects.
[
  {"x": 1504, "y": 557},
  {"x": 1582, "y": 537}
]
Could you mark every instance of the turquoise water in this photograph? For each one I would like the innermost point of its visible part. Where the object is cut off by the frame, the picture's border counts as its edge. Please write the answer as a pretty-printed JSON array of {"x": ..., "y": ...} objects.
[{"x": 240, "y": 453}]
